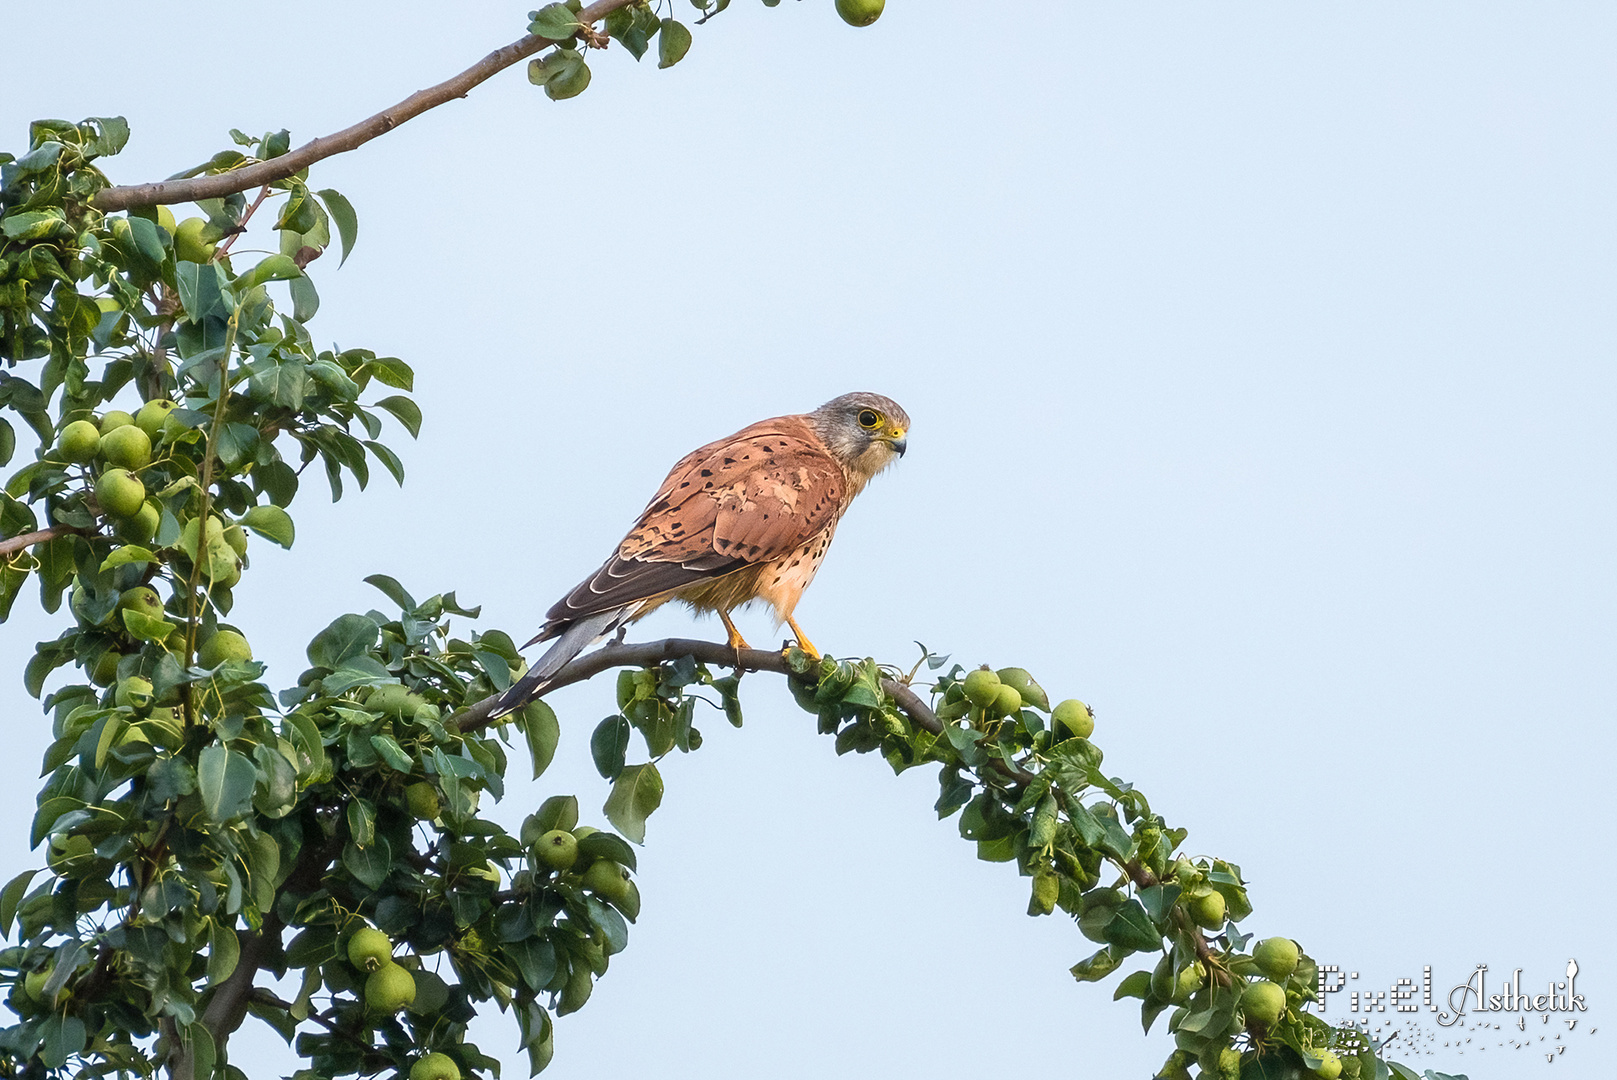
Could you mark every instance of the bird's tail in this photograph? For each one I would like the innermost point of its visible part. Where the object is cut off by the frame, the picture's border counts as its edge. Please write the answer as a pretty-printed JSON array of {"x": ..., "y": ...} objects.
[{"x": 573, "y": 640}]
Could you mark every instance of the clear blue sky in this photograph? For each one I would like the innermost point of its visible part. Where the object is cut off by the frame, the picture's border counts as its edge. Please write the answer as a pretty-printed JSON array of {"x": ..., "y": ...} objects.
[{"x": 1260, "y": 358}]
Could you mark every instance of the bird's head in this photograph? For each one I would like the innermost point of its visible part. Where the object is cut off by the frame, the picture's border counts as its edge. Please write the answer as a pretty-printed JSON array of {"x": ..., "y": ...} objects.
[{"x": 865, "y": 432}]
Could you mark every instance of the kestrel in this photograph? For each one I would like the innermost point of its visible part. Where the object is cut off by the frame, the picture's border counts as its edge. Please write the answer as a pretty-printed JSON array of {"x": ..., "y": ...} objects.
[{"x": 748, "y": 517}]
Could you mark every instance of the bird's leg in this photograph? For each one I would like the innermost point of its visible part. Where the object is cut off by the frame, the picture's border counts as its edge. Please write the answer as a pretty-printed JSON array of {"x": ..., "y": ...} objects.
[
  {"x": 735, "y": 640},
  {"x": 802, "y": 639}
]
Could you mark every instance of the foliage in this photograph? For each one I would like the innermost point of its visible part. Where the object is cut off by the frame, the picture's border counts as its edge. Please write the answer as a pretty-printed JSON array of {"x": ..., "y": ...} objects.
[{"x": 200, "y": 828}]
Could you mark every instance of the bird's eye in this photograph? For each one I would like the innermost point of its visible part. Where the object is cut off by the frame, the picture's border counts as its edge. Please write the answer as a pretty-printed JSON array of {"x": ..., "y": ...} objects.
[{"x": 869, "y": 418}]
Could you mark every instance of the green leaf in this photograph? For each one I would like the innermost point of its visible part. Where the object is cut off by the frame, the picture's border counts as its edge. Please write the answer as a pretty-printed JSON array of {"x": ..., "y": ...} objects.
[
  {"x": 145, "y": 627},
  {"x": 11, "y": 896},
  {"x": 538, "y": 723},
  {"x": 369, "y": 864},
  {"x": 636, "y": 794},
  {"x": 1136, "y": 985},
  {"x": 1131, "y": 928},
  {"x": 673, "y": 42},
  {"x": 347, "y": 636},
  {"x": 609, "y": 745},
  {"x": 342, "y": 212},
  {"x": 392, "y": 752},
  {"x": 1097, "y": 967},
  {"x": 272, "y": 523},
  {"x": 270, "y": 268},
  {"x": 605, "y": 845},
  {"x": 305, "y": 299},
  {"x": 554, "y": 22},
  {"x": 224, "y": 949},
  {"x": 60, "y": 1038},
  {"x": 129, "y": 553},
  {"x": 204, "y": 1054},
  {"x": 395, "y": 592},
  {"x": 404, "y": 411},
  {"x": 225, "y": 781}
]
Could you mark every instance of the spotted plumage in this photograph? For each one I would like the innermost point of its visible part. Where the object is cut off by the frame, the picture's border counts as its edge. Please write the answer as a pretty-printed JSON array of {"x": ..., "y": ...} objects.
[{"x": 748, "y": 517}]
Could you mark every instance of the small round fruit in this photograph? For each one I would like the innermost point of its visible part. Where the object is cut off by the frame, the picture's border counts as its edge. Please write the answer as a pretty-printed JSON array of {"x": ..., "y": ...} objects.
[
  {"x": 860, "y": 12},
  {"x": 165, "y": 218},
  {"x": 142, "y": 598},
  {"x": 982, "y": 687},
  {"x": 127, "y": 447},
  {"x": 65, "y": 851},
  {"x": 1075, "y": 716},
  {"x": 1208, "y": 910},
  {"x": 120, "y": 493},
  {"x": 1329, "y": 1068},
  {"x": 1276, "y": 957},
  {"x": 370, "y": 949},
  {"x": 140, "y": 528},
  {"x": 105, "y": 672},
  {"x": 607, "y": 879},
  {"x": 389, "y": 989},
  {"x": 134, "y": 692},
  {"x": 79, "y": 441},
  {"x": 34, "y": 986},
  {"x": 394, "y": 700},
  {"x": 422, "y": 799},
  {"x": 583, "y": 831},
  {"x": 224, "y": 645},
  {"x": 557, "y": 849},
  {"x": 151, "y": 416},
  {"x": 435, "y": 1066},
  {"x": 115, "y": 418},
  {"x": 1007, "y": 701},
  {"x": 1263, "y": 1002},
  {"x": 236, "y": 537},
  {"x": 1190, "y": 980},
  {"x": 191, "y": 242}
]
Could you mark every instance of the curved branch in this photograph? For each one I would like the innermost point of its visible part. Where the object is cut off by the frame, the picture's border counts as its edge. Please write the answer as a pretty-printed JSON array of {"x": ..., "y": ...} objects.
[
  {"x": 26, "y": 540},
  {"x": 349, "y": 138},
  {"x": 475, "y": 718}
]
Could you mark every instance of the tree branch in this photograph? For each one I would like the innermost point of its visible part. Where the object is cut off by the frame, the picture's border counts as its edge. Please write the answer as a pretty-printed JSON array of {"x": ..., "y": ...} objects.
[
  {"x": 10, "y": 547},
  {"x": 350, "y": 138},
  {"x": 475, "y": 718}
]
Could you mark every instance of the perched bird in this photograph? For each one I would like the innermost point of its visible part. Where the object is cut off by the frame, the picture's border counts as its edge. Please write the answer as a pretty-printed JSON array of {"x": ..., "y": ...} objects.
[{"x": 748, "y": 517}]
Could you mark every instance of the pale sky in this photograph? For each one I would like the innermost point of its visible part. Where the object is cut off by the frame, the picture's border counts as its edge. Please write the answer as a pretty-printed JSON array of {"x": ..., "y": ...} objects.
[{"x": 1260, "y": 358}]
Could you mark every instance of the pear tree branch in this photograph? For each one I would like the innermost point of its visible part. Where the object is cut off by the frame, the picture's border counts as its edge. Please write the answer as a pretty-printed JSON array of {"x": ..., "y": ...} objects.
[{"x": 349, "y": 138}]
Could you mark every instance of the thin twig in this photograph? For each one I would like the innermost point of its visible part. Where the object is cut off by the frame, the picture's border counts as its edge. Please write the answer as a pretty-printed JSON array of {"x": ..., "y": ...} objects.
[
  {"x": 26, "y": 540},
  {"x": 350, "y": 138}
]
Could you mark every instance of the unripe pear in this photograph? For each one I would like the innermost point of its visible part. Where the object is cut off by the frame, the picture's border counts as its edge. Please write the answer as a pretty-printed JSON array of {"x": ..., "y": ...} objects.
[
  {"x": 126, "y": 447},
  {"x": 1007, "y": 701},
  {"x": 607, "y": 879},
  {"x": 115, "y": 418},
  {"x": 120, "y": 493},
  {"x": 151, "y": 416},
  {"x": 1263, "y": 1002},
  {"x": 135, "y": 692},
  {"x": 982, "y": 688},
  {"x": 79, "y": 442},
  {"x": 223, "y": 645},
  {"x": 389, "y": 989},
  {"x": 1208, "y": 910},
  {"x": 1276, "y": 957},
  {"x": 557, "y": 849},
  {"x": 422, "y": 799},
  {"x": 1075, "y": 716},
  {"x": 860, "y": 12},
  {"x": 142, "y": 598},
  {"x": 435, "y": 1066},
  {"x": 369, "y": 949}
]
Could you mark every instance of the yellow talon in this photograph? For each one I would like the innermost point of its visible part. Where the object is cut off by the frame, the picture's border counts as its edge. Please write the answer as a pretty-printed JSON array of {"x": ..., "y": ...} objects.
[
  {"x": 735, "y": 640},
  {"x": 802, "y": 639}
]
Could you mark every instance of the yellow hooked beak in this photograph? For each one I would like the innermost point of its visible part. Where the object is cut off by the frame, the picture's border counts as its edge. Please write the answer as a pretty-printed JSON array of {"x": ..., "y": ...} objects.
[{"x": 895, "y": 438}]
